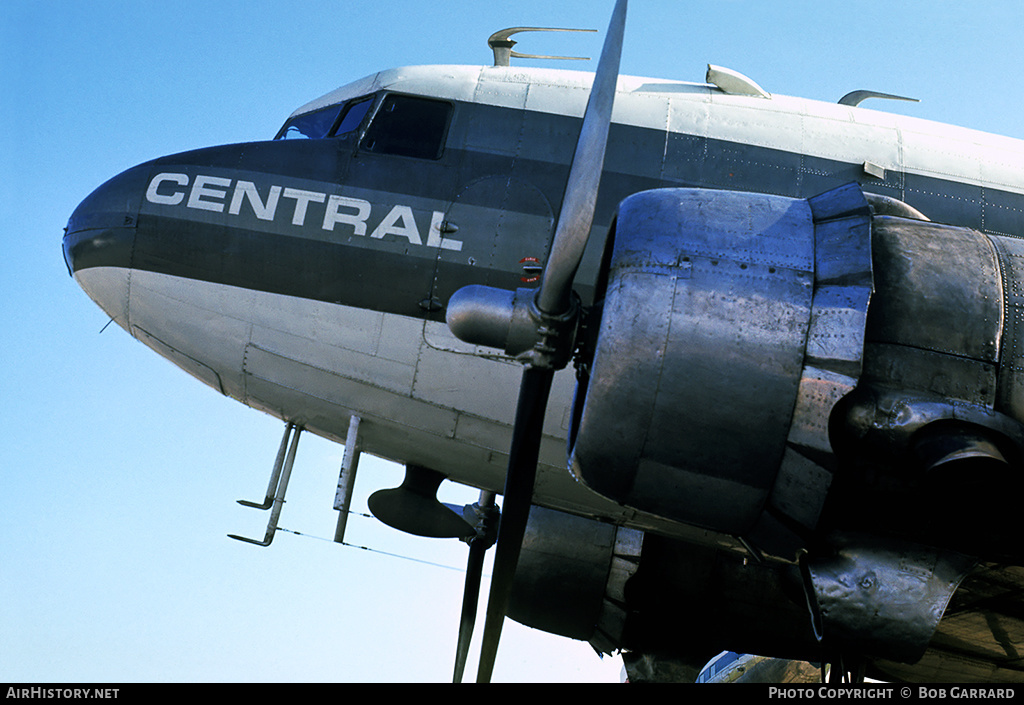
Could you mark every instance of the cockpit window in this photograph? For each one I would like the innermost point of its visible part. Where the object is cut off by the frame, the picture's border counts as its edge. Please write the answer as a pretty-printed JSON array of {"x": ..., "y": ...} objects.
[
  {"x": 309, "y": 126},
  {"x": 319, "y": 123},
  {"x": 408, "y": 126},
  {"x": 352, "y": 116}
]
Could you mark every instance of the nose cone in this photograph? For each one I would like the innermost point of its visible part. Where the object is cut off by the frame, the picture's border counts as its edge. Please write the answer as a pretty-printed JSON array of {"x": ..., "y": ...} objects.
[{"x": 100, "y": 237}]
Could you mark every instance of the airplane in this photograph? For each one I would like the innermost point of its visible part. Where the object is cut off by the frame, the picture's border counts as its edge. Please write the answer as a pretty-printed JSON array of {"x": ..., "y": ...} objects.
[{"x": 777, "y": 336}]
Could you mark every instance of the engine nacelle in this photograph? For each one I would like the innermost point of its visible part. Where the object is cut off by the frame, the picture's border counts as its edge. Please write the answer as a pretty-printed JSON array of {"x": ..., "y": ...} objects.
[
  {"x": 731, "y": 325},
  {"x": 571, "y": 577},
  {"x": 838, "y": 387},
  {"x": 622, "y": 589}
]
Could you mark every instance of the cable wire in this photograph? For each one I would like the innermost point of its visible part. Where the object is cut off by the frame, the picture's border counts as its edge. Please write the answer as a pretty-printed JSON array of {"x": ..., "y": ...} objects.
[{"x": 374, "y": 550}]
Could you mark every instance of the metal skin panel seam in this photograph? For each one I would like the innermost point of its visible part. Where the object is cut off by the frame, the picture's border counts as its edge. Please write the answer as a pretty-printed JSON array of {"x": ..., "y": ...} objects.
[{"x": 755, "y": 293}]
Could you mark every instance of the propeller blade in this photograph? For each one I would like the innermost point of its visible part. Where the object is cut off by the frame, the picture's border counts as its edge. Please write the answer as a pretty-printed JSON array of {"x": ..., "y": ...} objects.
[
  {"x": 470, "y": 595},
  {"x": 554, "y": 301},
  {"x": 515, "y": 508},
  {"x": 474, "y": 569},
  {"x": 580, "y": 201}
]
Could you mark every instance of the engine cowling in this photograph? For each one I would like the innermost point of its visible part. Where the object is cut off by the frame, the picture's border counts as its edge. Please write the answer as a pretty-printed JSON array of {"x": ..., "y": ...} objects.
[
  {"x": 750, "y": 354},
  {"x": 836, "y": 381},
  {"x": 731, "y": 325},
  {"x": 624, "y": 589}
]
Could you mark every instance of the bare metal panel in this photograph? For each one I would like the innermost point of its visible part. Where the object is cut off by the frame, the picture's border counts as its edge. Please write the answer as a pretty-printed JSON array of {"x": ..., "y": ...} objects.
[
  {"x": 843, "y": 282},
  {"x": 937, "y": 373},
  {"x": 342, "y": 392},
  {"x": 196, "y": 325},
  {"x": 108, "y": 287},
  {"x": 883, "y": 598},
  {"x": 697, "y": 271},
  {"x": 979, "y": 636},
  {"x": 732, "y": 325},
  {"x": 1011, "y": 369},
  {"x": 938, "y": 288},
  {"x": 195, "y": 368}
]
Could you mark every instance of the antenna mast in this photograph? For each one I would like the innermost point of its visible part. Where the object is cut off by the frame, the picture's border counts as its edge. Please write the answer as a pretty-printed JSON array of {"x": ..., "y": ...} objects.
[{"x": 502, "y": 45}]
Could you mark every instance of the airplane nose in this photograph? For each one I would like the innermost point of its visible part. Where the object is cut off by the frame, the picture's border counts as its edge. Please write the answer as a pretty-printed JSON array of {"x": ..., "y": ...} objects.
[{"x": 100, "y": 237}]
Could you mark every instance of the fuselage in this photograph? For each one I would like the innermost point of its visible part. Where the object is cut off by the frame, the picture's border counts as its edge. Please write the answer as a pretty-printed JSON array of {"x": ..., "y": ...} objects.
[{"x": 309, "y": 278}]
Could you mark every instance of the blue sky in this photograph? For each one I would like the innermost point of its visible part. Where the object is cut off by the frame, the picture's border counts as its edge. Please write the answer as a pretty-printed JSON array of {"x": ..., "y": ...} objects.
[{"x": 120, "y": 472}]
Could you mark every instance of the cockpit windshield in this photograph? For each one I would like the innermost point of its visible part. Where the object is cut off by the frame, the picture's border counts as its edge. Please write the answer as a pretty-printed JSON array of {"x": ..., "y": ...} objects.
[
  {"x": 309, "y": 126},
  {"x": 334, "y": 120},
  {"x": 352, "y": 116}
]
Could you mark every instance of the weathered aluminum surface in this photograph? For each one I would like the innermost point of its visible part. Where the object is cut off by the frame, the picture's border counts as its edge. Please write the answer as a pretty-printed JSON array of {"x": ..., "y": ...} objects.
[
  {"x": 932, "y": 437},
  {"x": 561, "y": 577},
  {"x": 723, "y": 348},
  {"x": 843, "y": 283},
  {"x": 493, "y": 317},
  {"x": 780, "y": 144},
  {"x": 1010, "y": 381},
  {"x": 979, "y": 637},
  {"x": 886, "y": 205},
  {"x": 611, "y": 624},
  {"x": 943, "y": 337},
  {"x": 705, "y": 322},
  {"x": 883, "y": 598},
  {"x": 911, "y": 368},
  {"x": 481, "y": 315},
  {"x": 939, "y": 288},
  {"x": 734, "y": 82},
  {"x": 885, "y": 421}
]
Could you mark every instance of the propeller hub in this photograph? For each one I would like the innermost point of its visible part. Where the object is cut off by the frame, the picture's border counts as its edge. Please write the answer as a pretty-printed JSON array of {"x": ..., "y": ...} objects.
[{"x": 515, "y": 323}]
